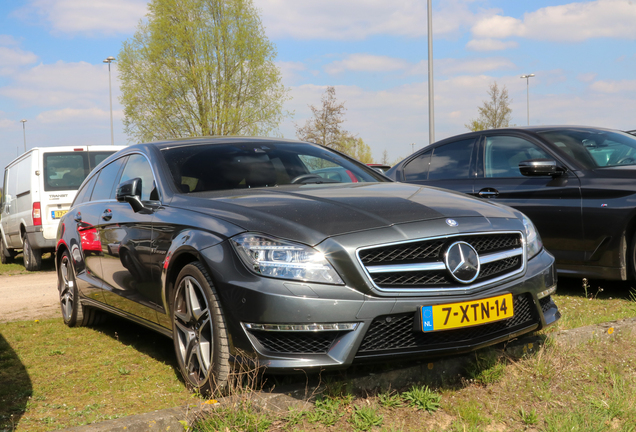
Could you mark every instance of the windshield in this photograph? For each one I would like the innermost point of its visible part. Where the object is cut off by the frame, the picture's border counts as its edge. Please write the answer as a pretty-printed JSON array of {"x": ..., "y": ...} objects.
[
  {"x": 595, "y": 148},
  {"x": 252, "y": 165}
]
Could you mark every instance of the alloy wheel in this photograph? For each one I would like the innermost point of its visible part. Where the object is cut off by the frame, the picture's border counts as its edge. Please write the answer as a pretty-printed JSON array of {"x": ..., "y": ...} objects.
[
  {"x": 67, "y": 288},
  {"x": 193, "y": 330}
]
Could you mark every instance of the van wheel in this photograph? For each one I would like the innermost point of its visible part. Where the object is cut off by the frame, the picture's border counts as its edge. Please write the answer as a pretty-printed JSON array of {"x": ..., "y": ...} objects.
[
  {"x": 199, "y": 331},
  {"x": 5, "y": 255},
  {"x": 32, "y": 257}
]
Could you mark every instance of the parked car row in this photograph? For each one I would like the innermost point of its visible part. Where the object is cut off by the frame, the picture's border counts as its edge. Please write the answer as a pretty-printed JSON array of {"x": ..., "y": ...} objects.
[{"x": 268, "y": 251}]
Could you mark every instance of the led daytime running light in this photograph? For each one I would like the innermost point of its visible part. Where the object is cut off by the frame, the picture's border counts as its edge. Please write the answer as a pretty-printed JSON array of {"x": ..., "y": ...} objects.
[{"x": 302, "y": 327}]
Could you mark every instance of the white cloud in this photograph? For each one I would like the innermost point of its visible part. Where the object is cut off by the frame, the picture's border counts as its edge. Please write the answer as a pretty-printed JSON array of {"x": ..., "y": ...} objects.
[
  {"x": 610, "y": 86},
  {"x": 586, "y": 77},
  {"x": 473, "y": 66},
  {"x": 366, "y": 63},
  {"x": 6, "y": 123},
  {"x": 291, "y": 70},
  {"x": 50, "y": 85},
  {"x": 14, "y": 57},
  {"x": 573, "y": 22},
  {"x": 8, "y": 40},
  {"x": 67, "y": 115},
  {"x": 358, "y": 19},
  {"x": 490, "y": 45},
  {"x": 88, "y": 17}
]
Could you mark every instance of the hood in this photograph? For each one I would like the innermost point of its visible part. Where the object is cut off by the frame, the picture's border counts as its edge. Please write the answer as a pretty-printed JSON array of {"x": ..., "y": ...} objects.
[{"x": 311, "y": 213}]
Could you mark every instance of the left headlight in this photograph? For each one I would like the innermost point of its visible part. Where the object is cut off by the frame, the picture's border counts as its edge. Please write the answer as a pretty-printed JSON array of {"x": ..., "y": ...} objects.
[
  {"x": 284, "y": 260},
  {"x": 533, "y": 239}
]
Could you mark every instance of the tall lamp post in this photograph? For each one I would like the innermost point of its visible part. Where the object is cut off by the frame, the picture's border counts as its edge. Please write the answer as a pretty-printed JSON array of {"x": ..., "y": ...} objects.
[
  {"x": 23, "y": 121},
  {"x": 431, "y": 110},
  {"x": 109, "y": 60},
  {"x": 527, "y": 77}
]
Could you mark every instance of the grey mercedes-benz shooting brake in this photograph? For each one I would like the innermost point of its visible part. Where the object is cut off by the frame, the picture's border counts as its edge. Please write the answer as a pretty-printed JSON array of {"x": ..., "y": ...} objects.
[{"x": 245, "y": 247}]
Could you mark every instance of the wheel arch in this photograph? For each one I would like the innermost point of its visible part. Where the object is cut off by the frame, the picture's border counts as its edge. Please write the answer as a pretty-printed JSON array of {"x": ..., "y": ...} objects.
[
  {"x": 185, "y": 249},
  {"x": 629, "y": 248}
]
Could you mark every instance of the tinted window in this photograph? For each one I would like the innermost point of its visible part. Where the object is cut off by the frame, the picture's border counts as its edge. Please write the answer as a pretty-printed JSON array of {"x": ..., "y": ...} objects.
[
  {"x": 417, "y": 169},
  {"x": 104, "y": 188},
  {"x": 451, "y": 161},
  {"x": 502, "y": 155},
  {"x": 595, "y": 148},
  {"x": 138, "y": 167},
  {"x": 250, "y": 165},
  {"x": 84, "y": 194}
]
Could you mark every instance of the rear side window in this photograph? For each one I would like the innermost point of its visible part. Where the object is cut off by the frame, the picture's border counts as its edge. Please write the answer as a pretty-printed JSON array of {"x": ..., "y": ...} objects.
[
  {"x": 67, "y": 170},
  {"x": 105, "y": 185},
  {"x": 417, "y": 169},
  {"x": 84, "y": 194},
  {"x": 451, "y": 161}
]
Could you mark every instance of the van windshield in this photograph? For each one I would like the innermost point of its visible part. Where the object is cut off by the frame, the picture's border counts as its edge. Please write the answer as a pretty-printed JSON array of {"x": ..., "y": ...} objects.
[{"x": 67, "y": 170}]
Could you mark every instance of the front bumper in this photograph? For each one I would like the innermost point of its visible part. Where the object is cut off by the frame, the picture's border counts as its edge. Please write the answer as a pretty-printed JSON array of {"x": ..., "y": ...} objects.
[{"x": 384, "y": 325}]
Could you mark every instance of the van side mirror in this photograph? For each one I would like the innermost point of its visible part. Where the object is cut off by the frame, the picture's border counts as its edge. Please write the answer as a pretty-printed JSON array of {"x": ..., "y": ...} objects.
[
  {"x": 130, "y": 192},
  {"x": 539, "y": 167}
]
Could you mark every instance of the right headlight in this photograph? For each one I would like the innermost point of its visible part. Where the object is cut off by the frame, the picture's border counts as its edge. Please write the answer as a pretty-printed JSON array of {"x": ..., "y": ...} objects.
[
  {"x": 283, "y": 259},
  {"x": 533, "y": 239}
]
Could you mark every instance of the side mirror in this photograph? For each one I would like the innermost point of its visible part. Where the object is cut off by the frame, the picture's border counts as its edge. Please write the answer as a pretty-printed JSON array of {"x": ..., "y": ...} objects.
[
  {"x": 538, "y": 167},
  {"x": 130, "y": 192}
]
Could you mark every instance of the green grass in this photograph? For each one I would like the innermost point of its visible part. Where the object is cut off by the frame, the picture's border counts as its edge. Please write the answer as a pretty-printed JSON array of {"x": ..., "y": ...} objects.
[
  {"x": 53, "y": 377},
  {"x": 17, "y": 265}
]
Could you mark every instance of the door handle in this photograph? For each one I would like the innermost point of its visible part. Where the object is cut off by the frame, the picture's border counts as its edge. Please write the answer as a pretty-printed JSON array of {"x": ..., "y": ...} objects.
[
  {"x": 107, "y": 215},
  {"x": 488, "y": 193}
]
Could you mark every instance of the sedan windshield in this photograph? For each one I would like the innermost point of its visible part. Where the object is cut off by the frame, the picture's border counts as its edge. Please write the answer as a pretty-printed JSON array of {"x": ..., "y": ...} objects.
[
  {"x": 595, "y": 148},
  {"x": 212, "y": 167}
]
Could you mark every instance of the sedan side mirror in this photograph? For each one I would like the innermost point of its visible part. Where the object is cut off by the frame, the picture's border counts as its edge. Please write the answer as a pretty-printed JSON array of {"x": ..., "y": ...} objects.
[
  {"x": 130, "y": 192},
  {"x": 539, "y": 167}
]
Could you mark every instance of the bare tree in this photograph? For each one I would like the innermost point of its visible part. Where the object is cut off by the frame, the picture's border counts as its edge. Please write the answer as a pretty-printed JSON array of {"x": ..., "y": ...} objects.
[
  {"x": 325, "y": 126},
  {"x": 385, "y": 157},
  {"x": 495, "y": 112}
]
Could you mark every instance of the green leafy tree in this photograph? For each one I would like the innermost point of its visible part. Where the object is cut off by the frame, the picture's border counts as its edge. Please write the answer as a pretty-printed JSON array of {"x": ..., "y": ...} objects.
[
  {"x": 495, "y": 112},
  {"x": 197, "y": 68},
  {"x": 358, "y": 149}
]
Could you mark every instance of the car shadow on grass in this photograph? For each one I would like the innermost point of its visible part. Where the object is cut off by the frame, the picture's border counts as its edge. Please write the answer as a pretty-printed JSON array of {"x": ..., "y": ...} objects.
[
  {"x": 144, "y": 340},
  {"x": 15, "y": 387}
]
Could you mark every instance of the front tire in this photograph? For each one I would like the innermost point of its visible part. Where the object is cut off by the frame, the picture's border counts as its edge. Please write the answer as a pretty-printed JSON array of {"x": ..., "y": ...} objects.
[
  {"x": 32, "y": 257},
  {"x": 6, "y": 256},
  {"x": 199, "y": 331}
]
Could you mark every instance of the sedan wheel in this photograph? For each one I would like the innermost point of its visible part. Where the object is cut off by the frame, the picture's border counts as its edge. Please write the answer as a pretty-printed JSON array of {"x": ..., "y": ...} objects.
[
  {"x": 72, "y": 311},
  {"x": 199, "y": 332}
]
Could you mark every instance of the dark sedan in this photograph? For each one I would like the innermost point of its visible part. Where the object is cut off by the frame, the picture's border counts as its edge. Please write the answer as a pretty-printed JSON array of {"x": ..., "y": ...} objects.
[
  {"x": 577, "y": 184},
  {"x": 240, "y": 248}
]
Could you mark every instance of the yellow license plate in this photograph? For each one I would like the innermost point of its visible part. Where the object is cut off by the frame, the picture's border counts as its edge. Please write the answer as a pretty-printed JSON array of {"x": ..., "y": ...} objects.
[
  {"x": 465, "y": 314},
  {"x": 56, "y": 214}
]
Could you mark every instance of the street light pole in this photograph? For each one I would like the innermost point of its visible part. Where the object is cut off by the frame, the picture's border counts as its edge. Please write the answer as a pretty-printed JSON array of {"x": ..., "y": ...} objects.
[
  {"x": 431, "y": 110},
  {"x": 109, "y": 60},
  {"x": 527, "y": 77},
  {"x": 23, "y": 121}
]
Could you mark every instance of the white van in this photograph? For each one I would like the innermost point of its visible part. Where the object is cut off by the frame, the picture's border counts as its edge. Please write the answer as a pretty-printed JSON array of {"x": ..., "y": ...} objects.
[{"x": 39, "y": 187}]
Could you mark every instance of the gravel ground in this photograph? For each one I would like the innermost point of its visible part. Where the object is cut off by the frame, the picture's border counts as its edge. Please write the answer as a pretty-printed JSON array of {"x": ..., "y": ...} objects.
[{"x": 29, "y": 297}]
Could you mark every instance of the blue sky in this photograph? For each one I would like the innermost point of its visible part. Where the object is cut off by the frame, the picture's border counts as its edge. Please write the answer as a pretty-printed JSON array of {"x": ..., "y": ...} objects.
[{"x": 373, "y": 51}]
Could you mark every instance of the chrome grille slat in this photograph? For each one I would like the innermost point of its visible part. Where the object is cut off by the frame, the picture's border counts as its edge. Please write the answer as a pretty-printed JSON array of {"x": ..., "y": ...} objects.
[{"x": 417, "y": 266}]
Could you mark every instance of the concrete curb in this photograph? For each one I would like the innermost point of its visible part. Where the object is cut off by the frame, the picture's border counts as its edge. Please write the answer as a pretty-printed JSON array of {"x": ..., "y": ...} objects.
[{"x": 437, "y": 372}]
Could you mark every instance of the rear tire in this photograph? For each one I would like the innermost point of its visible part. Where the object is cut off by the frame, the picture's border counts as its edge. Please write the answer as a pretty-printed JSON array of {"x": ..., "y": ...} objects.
[
  {"x": 32, "y": 257},
  {"x": 74, "y": 313},
  {"x": 199, "y": 331}
]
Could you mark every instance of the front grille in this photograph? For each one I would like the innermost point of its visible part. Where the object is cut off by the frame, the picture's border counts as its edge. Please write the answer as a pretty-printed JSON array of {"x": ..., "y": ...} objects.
[
  {"x": 296, "y": 342},
  {"x": 429, "y": 253},
  {"x": 395, "y": 333}
]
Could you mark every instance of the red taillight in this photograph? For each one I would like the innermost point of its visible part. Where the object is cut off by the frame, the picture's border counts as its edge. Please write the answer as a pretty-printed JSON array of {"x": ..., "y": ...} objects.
[{"x": 37, "y": 214}]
